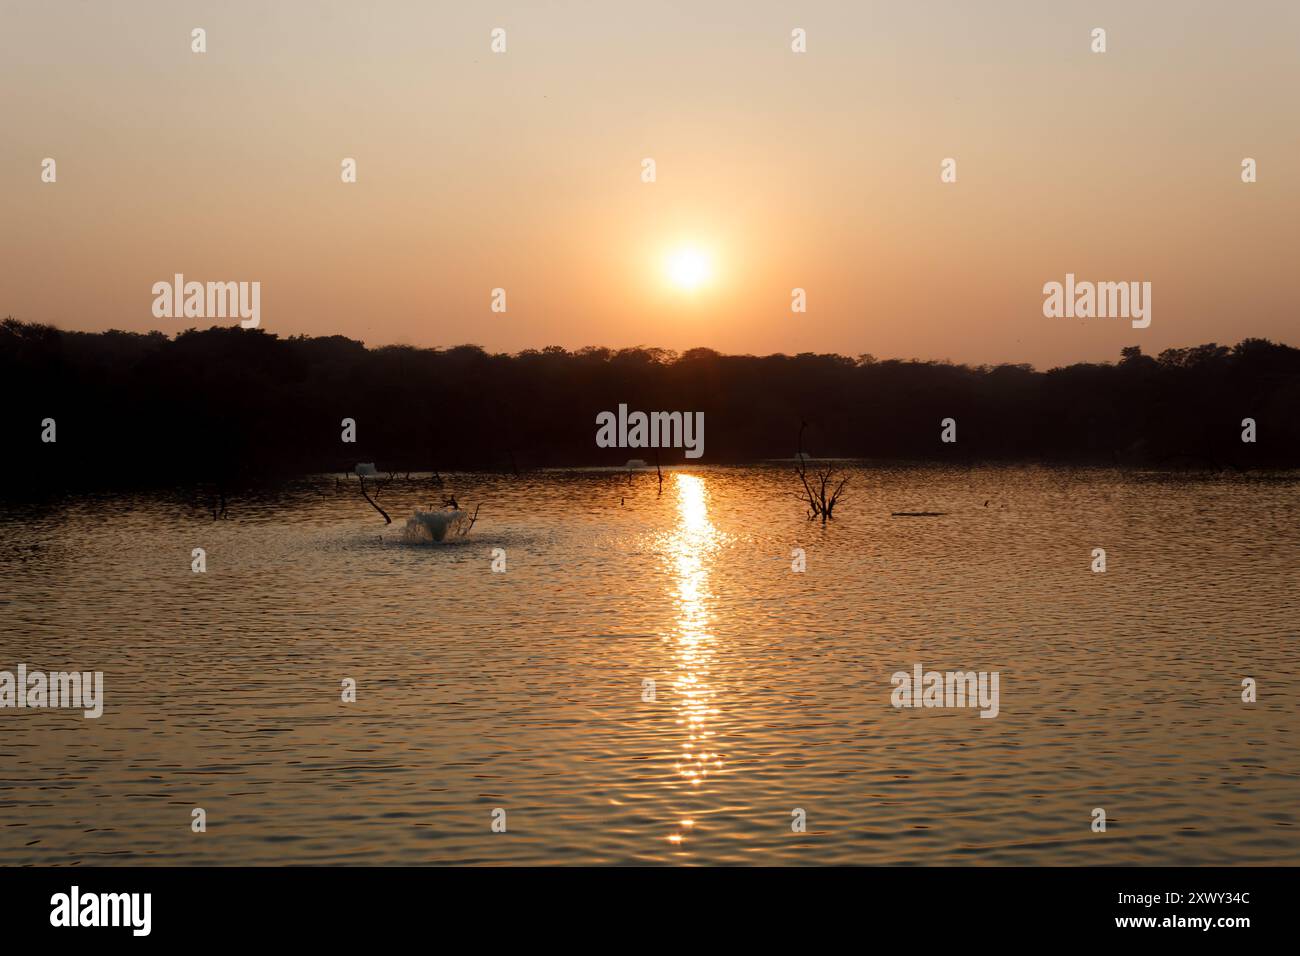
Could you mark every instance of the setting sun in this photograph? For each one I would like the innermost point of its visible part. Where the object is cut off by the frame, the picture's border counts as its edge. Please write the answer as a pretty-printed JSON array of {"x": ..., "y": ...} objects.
[{"x": 689, "y": 268}]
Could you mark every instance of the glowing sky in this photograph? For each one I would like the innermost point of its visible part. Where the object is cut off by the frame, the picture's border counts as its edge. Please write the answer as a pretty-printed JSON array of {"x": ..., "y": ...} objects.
[{"x": 523, "y": 170}]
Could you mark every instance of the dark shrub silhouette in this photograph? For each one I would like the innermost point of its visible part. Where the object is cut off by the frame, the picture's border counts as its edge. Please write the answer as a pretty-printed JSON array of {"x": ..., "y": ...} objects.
[{"x": 230, "y": 406}]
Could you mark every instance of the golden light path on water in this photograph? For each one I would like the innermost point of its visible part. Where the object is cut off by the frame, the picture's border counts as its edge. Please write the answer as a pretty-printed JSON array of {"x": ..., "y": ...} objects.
[
  {"x": 522, "y": 697},
  {"x": 690, "y": 549}
]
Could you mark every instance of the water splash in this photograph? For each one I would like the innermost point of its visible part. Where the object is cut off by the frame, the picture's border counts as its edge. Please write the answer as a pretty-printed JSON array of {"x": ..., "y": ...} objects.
[{"x": 431, "y": 527}]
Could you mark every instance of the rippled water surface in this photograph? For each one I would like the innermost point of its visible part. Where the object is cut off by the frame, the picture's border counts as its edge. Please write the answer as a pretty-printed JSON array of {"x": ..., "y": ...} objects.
[{"x": 526, "y": 690}]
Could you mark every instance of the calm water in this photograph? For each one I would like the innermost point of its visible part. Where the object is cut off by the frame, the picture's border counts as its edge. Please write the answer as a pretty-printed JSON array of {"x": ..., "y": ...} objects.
[{"x": 523, "y": 690}]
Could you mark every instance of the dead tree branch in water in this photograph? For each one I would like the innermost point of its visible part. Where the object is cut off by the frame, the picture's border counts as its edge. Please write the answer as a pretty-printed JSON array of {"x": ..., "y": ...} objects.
[
  {"x": 466, "y": 530},
  {"x": 362, "y": 479},
  {"x": 821, "y": 498}
]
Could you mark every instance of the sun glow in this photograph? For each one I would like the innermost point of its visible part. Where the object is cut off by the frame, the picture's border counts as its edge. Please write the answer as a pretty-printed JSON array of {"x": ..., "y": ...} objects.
[{"x": 689, "y": 268}]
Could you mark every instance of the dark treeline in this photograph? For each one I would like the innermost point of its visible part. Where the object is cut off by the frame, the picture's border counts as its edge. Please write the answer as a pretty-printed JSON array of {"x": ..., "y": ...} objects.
[{"x": 233, "y": 406}]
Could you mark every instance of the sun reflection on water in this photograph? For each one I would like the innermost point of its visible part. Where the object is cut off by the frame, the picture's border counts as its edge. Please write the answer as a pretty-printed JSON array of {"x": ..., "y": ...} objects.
[{"x": 689, "y": 550}]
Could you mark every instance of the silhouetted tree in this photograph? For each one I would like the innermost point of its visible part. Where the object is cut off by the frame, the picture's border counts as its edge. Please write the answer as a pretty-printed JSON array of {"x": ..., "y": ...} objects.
[{"x": 228, "y": 406}]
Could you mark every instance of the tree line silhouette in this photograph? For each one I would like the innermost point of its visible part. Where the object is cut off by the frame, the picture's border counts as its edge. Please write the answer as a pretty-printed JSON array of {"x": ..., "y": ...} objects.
[{"x": 236, "y": 406}]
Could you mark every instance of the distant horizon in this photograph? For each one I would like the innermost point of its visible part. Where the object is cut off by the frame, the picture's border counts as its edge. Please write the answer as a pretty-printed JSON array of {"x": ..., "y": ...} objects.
[
  {"x": 759, "y": 177},
  {"x": 651, "y": 349},
  {"x": 241, "y": 403}
]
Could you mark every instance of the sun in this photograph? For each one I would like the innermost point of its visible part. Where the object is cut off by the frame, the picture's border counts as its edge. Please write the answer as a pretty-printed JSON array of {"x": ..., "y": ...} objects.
[{"x": 689, "y": 268}]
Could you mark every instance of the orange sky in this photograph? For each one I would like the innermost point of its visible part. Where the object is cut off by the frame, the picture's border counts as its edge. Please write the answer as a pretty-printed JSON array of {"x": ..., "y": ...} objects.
[{"x": 522, "y": 170}]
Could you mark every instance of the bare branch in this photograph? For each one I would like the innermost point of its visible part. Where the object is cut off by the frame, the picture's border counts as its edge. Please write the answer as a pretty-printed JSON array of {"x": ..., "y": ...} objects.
[
  {"x": 820, "y": 503},
  {"x": 362, "y": 479},
  {"x": 473, "y": 518}
]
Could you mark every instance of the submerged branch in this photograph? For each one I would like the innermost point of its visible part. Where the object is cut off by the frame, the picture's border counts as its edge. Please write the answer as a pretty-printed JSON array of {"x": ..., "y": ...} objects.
[
  {"x": 819, "y": 502},
  {"x": 387, "y": 520},
  {"x": 474, "y": 517}
]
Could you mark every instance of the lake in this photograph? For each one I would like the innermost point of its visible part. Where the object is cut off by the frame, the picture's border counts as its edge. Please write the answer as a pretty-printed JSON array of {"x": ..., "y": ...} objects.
[{"x": 528, "y": 690}]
